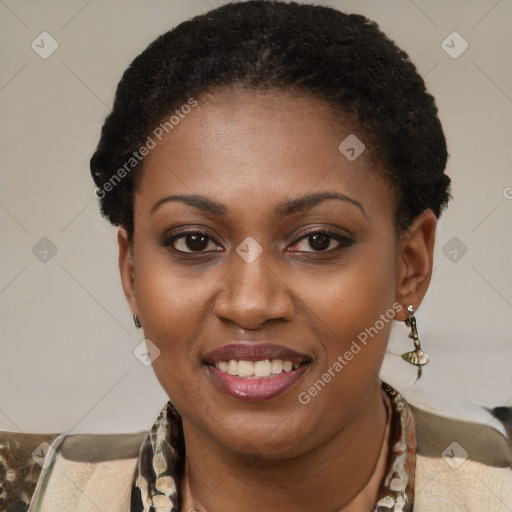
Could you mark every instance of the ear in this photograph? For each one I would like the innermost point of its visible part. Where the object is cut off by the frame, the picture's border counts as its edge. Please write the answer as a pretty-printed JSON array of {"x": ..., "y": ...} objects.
[
  {"x": 415, "y": 258},
  {"x": 127, "y": 269}
]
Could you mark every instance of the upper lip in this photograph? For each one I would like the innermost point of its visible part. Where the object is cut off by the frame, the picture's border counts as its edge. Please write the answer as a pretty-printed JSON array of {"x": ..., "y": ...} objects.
[{"x": 254, "y": 352}]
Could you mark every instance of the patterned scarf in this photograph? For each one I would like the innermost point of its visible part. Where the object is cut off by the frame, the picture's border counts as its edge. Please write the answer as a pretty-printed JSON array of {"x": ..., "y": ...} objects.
[{"x": 162, "y": 457}]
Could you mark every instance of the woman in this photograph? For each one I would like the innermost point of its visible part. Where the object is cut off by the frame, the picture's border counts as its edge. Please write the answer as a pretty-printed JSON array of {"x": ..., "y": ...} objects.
[{"x": 276, "y": 171}]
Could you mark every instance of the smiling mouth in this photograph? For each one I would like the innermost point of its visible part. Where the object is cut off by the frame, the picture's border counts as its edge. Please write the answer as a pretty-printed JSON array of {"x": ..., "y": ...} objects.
[
  {"x": 262, "y": 369},
  {"x": 256, "y": 380},
  {"x": 255, "y": 371}
]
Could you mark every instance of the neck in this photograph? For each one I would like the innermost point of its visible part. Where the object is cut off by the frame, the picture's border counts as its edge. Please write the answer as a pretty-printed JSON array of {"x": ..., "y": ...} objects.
[{"x": 215, "y": 480}]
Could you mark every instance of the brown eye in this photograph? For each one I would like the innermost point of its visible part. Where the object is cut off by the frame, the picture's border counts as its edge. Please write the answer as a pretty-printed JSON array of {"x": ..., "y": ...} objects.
[
  {"x": 321, "y": 241},
  {"x": 196, "y": 242},
  {"x": 190, "y": 241}
]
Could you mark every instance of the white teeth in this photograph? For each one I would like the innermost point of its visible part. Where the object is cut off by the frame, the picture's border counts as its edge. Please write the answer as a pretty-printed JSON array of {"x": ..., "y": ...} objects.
[
  {"x": 256, "y": 369},
  {"x": 277, "y": 366},
  {"x": 232, "y": 367},
  {"x": 262, "y": 368},
  {"x": 245, "y": 368},
  {"x": 287, "y": 366}
]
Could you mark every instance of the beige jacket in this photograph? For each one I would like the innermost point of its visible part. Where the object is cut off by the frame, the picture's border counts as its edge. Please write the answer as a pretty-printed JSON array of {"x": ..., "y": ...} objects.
[{"x": 460, "y": 467}]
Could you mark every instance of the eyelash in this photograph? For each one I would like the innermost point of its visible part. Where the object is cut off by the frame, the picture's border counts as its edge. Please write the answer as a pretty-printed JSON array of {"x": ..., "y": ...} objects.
[{"x": 343, "y": 241}]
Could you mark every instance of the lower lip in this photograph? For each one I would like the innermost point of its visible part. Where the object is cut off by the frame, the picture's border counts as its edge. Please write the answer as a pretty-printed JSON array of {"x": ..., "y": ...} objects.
[{"x": 256, "y": 389}]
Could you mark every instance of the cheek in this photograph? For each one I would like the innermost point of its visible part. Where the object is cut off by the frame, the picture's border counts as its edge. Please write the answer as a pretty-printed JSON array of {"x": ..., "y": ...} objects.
[
  {"x": 170, "y": 296},
  {"x": 361, "y": 298},
  {"x": 352, "y": 313},
  {"x": 349, "y": 299},
  {"x": 173, "y": 307},
  {"x": 353, "y": 318}
]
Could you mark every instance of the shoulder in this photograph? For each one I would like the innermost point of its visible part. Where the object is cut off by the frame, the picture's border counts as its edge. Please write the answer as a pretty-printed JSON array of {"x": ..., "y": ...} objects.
[
  {"x": 21, "y": 459},
  {"x": 37, "y": 469},
  {"x": 463, "y": 463},
  {"x": 461, "y": 484},
  {"x": 88, "y": 469},
  {"x": 486, "y": 439}
]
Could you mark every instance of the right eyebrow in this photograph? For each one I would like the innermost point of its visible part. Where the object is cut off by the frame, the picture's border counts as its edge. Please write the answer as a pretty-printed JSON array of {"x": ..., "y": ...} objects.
[{"x": 201, "y": 202}]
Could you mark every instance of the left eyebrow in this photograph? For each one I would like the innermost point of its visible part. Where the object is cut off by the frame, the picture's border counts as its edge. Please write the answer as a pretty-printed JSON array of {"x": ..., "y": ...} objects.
[
  {"x": 282, "y": 210},
  {"x": 308, "y": 201}
]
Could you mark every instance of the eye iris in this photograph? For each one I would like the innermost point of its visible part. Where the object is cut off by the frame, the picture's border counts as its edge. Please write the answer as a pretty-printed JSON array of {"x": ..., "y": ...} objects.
[
  {"x": 197, "y": 242},
  {"x": 319, "y": 241}
]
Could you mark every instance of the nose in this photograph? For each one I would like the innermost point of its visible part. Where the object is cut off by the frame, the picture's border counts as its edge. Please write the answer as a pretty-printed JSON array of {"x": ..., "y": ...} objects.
[{"x": 252, "y": 293}]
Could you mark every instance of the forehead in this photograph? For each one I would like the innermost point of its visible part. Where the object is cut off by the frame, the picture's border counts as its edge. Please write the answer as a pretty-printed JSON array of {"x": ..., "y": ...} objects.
[{"x": 258, "y": 148}]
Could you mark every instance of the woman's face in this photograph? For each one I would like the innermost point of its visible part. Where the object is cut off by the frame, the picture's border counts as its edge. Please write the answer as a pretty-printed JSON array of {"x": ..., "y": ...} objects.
[{"x": 253, "y": 167}]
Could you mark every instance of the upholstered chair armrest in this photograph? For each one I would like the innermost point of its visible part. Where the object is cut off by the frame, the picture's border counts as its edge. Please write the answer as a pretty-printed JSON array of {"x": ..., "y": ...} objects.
[{"x": 21, "y": 459}]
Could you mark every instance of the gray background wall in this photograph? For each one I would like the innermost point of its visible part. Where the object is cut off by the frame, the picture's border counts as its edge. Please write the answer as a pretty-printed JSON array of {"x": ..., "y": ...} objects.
[{"x": 66, "y": 359}]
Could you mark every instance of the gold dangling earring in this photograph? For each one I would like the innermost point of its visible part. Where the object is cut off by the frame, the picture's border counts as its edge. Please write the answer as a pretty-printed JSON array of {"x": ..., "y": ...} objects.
[{"x": 417, "y": 357}]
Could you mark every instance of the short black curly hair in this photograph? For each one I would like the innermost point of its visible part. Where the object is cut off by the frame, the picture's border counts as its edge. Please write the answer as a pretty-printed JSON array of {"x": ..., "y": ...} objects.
[{"x": 343, "y": 59}]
